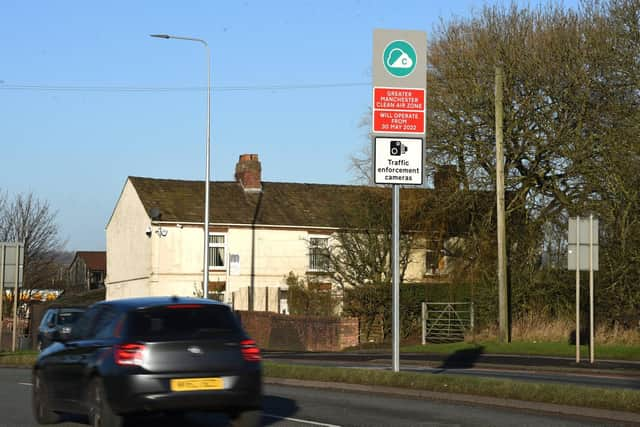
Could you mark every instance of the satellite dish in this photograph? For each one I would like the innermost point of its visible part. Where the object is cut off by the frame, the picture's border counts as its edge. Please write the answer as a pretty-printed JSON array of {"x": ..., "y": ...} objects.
[{"x": 155, "y": 213}]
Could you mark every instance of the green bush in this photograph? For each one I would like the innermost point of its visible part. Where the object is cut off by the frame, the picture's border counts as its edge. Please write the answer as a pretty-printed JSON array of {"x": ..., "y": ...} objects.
[{"x": 306, "y": 299}]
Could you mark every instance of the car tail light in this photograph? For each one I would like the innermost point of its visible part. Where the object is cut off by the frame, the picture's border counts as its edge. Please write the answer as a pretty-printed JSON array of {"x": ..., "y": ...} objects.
[
  {"x": 129, "y": 354},
  {"x": 250, "y": 351}
]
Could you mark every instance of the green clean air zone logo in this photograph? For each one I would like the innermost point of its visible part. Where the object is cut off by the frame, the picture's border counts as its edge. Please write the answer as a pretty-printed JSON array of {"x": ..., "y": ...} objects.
[{"x": 399, "y": 58}]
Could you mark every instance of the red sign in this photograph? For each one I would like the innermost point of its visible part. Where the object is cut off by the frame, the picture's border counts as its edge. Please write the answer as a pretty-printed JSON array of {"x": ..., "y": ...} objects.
[
  {"x": 397, "y": 110},
  {"x": 398, "y": 121},
  {"x": 387, "y": 98}
]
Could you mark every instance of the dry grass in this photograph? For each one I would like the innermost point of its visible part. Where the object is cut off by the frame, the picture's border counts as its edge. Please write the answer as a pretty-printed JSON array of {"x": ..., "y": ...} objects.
[{"x": 537, "y": 328}]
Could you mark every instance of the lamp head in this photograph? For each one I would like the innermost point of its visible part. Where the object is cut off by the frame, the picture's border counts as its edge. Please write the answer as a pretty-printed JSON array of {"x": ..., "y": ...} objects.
[{"x": 160, "y": 36}]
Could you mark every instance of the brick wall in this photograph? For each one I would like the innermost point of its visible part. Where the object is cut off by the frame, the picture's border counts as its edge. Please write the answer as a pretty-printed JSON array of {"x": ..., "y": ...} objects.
[{"x": 300, "y": 333}]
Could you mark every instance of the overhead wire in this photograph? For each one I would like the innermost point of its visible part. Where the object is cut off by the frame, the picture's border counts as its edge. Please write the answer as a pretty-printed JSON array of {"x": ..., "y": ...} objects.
[{"x": 134, "y": 89}]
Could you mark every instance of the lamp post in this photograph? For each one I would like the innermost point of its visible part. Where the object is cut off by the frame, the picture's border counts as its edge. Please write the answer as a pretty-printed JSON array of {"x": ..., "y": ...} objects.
[{"x": 205, "y": 278}]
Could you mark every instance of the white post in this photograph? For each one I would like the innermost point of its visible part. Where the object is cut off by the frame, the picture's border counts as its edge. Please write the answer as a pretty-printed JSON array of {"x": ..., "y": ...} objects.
[
  {"x": 503, "y": 302},
  {"x": 424, "y": 323},
  {"x": 578, "y": 289},
  {"x": 591, "y": 331},
  {"x": 16, "y": 297}
]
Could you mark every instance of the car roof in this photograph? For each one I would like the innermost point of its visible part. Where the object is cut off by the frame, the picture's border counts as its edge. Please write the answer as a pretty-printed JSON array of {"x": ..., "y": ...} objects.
[
  {"x": 148, "y": 302},
  {"x": 67, "y": 308}
]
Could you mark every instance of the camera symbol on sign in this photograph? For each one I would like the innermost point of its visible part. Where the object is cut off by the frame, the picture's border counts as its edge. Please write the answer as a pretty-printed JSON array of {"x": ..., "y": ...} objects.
[{"x": 397, "y": 148}]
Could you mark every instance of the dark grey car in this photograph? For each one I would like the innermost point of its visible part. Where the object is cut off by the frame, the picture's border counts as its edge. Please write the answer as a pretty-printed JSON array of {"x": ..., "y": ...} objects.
[
  {"x": 57, "y": 323},
  {"x": 145, "y": 355}
]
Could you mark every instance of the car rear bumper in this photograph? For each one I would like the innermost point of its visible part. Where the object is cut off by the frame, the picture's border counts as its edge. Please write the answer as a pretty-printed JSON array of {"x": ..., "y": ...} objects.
[{"x": 150, "y": 393}]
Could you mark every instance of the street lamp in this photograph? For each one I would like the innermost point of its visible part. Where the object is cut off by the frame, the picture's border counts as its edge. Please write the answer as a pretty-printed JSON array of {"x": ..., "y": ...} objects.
[{"x": 205, "y": 278}]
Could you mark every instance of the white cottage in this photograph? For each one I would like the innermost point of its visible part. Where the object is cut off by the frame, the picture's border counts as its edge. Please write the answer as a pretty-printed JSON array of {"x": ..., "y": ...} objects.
[{"x": 259, "y": 232}]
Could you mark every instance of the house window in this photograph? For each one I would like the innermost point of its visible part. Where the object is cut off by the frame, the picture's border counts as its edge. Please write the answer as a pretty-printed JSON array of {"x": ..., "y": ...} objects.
[
  {"x": 433, "y": 257},
  {"x": 435, "y": 260},
  {"x": 97, "y": 279},
  {"x": 318, "y": 254},
  {"x": 216, "y": 250}
]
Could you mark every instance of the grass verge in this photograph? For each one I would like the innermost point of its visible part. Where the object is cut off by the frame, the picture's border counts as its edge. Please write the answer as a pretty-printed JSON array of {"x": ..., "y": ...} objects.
[
  {"x": 604, "y": 351},
  {"x": 20, "y": 358},
  {"x": 561, "y": 394}
]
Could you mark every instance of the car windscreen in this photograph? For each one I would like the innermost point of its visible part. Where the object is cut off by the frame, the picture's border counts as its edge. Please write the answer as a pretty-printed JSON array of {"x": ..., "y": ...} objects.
[
  {"x": 176, "y": 322},
  {"x": 69, "y": 317}
]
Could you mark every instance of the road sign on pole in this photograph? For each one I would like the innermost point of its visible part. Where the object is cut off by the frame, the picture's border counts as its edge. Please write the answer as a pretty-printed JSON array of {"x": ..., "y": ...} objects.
[
  {"x": 583, "y": 255},
  {"x": 11, "y": 272},
  {"x": 398, "y": 116}
]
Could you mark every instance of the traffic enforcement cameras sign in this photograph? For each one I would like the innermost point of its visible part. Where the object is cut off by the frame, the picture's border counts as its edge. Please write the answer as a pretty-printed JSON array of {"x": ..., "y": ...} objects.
[{"x": 398, "y": 161}]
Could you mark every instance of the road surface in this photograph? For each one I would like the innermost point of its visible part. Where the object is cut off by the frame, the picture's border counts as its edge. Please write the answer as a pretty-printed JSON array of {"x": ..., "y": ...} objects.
[{"x": 286, "y": 406}]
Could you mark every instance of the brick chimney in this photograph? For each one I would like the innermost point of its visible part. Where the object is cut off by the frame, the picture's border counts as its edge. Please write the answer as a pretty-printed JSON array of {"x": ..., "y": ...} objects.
[{"x": 248, "y": 172}]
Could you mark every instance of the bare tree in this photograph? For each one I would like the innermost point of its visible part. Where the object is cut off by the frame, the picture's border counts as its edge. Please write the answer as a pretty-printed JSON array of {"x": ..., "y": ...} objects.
[
  {"x": 3, "y": 201},
  {"x": 361, "y": 163},
  {"x": 572, "y": 103},
  {"x": 28, "y": 219}
]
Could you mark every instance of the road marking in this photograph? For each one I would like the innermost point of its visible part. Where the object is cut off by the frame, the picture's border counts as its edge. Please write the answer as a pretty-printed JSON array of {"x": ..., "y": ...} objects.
[
  {"x": 29, "y": 384},
  {"x": 299, "y": 420}
]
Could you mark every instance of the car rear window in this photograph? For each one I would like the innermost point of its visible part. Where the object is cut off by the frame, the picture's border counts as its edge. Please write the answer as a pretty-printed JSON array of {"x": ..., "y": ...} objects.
[
  {"x": 68, "y": 317},
  {"x": 181, "y": 322}
]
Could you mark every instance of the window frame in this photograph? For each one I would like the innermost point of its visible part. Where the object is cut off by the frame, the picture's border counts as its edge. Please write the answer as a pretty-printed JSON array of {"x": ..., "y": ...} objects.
[
  {"x": 434, "y": 252},
  {"x": 44, "y": 323},
  {"x": 318, "y": 268},
  {"x": 225, "y": 262}
]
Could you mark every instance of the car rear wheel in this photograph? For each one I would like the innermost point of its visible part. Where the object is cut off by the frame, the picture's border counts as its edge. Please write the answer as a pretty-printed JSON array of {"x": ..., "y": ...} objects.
[
  {"x": 251, "y": 418},
  {"x": 100, "y": 413},
  {"x": 40, "y": 401}
]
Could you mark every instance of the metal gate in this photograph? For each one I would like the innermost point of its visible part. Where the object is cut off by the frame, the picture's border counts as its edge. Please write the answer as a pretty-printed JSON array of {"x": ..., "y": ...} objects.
[{"x": 446, "y": 321}]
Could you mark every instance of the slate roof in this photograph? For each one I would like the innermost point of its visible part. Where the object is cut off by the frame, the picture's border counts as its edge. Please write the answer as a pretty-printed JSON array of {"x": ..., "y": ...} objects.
[
  {"x": 279, "y": 203},
  {"x": 298, "y": 205}
]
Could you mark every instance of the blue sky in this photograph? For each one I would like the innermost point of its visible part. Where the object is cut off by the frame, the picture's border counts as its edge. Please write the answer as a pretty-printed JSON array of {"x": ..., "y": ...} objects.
[{"x": 87, "y": 98}]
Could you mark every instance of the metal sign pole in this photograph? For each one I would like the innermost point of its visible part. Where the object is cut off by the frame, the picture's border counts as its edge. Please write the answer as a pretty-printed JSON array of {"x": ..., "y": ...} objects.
[
  {"x": 591, "y": 332},
  {"x": 577, "y": 289},
  {"x": 16, "y": 296},
  {"x": 396, "y": 277}
]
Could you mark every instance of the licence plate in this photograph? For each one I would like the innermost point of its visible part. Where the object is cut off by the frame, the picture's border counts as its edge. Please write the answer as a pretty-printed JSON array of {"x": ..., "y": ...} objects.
[{"x": 196, "y": 384}]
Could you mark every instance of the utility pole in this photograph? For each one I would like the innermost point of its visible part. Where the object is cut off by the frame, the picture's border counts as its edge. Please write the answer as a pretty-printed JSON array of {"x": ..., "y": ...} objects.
[{"x": 503, "y": 315}]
